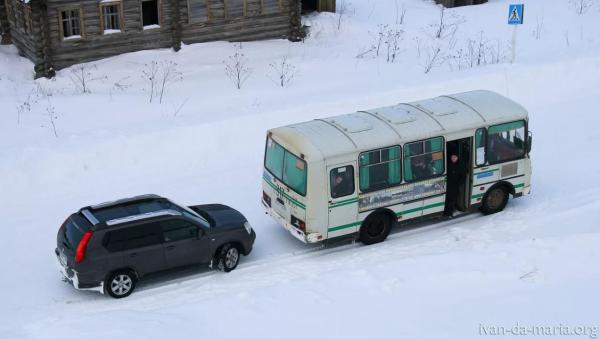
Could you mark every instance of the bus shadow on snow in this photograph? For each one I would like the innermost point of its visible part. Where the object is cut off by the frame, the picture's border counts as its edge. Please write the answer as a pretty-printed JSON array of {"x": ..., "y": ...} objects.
[{"x": 397, "y": 234}]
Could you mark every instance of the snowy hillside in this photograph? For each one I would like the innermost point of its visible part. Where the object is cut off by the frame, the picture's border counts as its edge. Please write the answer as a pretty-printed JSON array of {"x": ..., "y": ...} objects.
[{"x": 535, "y": 264}]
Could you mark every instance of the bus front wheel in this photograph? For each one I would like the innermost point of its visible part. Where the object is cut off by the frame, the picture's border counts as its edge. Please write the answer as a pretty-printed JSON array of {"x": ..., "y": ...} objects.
[
  {"x": 494, "y": 200},
  {"x": 375, "y": 228}
]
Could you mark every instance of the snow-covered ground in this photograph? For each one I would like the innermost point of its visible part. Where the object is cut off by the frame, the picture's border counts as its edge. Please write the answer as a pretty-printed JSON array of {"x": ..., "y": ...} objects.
[{"x": 535, "y": 264}]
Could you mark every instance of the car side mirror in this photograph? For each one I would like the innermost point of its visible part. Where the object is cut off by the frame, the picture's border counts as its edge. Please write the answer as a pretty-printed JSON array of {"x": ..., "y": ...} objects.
[{"x": 529, "y": 141}]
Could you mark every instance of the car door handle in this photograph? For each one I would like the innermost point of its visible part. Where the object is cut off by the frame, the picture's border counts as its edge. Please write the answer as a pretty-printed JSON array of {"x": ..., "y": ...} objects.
[
  {"x": 133, "y": 255},
  {"x": 171, "y": 247}
]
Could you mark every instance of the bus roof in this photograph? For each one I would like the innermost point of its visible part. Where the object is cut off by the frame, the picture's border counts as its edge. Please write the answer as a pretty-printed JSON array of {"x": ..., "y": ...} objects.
[{"x": 364, "y": 130}]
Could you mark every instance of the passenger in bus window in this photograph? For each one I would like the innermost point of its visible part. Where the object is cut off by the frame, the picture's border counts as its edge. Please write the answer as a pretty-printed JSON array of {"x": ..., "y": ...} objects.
[
  {"x": 422, "y": 167},
  {"x": 341, "y": 183}
]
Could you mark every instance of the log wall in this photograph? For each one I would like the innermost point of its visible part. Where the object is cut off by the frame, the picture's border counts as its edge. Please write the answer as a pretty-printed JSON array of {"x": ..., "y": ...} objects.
[{"x": 181, "y": 21}]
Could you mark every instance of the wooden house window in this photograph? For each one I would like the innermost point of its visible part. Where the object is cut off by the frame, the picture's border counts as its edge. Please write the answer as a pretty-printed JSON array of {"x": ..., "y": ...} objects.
[
  {"x": 197, "y": 11},
  {"x": 111, "y": 18},
  {"x": 71, "y": 24},
  {"x": 150, "y": 14},
  {"x": 253, "y": 7}
]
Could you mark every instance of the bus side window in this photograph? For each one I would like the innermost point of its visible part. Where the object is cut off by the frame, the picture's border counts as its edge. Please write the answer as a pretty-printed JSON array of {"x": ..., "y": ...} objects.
[
  {"x": 424, "y": 159},
  {"x": 341, "y": 181},
  {"x": 380, "y": 169},
  {"x": 480, "y": 137}
]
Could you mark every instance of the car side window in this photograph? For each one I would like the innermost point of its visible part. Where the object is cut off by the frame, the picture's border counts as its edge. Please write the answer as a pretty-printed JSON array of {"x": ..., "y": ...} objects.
[
  {"x": 132, "y": 237},
  {"x": 178, "y": 229}
]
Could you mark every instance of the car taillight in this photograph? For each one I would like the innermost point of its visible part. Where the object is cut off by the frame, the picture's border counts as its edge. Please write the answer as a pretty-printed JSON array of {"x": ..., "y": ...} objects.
[
  {"x": 266, "y": 199},
  {"x": 80, "y": 252}
]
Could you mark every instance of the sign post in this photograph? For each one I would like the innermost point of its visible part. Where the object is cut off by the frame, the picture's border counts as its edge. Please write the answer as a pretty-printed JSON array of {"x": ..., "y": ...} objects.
[{"x": 515, "y": 18}]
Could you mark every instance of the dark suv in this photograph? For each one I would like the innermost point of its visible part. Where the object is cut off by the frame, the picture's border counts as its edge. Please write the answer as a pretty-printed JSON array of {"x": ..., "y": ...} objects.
[{"x": 109, "y": 247}]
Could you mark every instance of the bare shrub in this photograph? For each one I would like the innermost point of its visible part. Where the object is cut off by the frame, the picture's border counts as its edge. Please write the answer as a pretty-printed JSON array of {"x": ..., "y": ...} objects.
[
  {"x": 581, "y": 6},
  {"x": 342, "y": 12},
  {"x": 120, "y": 85},
  {"x": 539, "y": 26},
  {"x": 159, "y": 76},
  {"x": 236, "y": 68},
  {"x": 37, "y": 93},
  {"x": 282, "y": 73},
  {"x": 51, "y": 117},
  {"x": 177, "y": 109},
  {"x": 389, "y": 38},
  {"x": 400, "y": 13},
  {"x": 446, "y": 24},
  {"x": 150, "y": 74},
  {"x": 82, "y": 76},
  {"x": 433, "y": 57},
  {"x": 392, "y": 42},
  {"x": 479, "y": 52},
  {"x": 168, "y": 75}
]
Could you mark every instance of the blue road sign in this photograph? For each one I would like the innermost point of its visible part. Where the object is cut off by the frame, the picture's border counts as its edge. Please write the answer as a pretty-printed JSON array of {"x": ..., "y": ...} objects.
[{"x": 515, "y": 14}]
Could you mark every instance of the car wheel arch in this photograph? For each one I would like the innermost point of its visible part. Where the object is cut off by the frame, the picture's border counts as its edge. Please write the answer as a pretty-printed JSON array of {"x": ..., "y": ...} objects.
[{"x": 127, "y": 269}]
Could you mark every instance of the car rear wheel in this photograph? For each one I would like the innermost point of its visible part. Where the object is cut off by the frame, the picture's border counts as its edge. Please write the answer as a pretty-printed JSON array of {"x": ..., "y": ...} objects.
[
  {"x": 228, "y": 258},
  {"x": 120, "y": 284}
]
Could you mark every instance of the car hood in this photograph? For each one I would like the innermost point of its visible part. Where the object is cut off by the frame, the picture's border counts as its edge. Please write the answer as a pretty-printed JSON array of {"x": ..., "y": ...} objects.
[{"x": 220, "y": 216}]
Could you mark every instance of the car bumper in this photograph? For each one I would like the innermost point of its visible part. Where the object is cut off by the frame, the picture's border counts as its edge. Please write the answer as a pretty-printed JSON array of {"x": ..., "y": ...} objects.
[
  {"x": 248, "y": 245},
  {"x": 71, "y": 276}
]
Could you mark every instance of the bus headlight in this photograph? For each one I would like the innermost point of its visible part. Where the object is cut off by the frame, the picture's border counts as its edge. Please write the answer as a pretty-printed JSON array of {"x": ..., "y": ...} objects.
[{"x": 248, "y": 227}]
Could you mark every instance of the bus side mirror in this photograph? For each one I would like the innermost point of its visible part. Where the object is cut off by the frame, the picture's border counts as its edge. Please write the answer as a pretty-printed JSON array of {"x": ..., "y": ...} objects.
[{"x": 529, "y": 141}]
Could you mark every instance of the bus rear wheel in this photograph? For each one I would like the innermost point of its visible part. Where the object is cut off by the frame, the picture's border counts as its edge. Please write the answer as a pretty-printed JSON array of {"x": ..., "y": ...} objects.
[
  {"x": 375, "y": 229},
  {"x": 494, "y": 200}
]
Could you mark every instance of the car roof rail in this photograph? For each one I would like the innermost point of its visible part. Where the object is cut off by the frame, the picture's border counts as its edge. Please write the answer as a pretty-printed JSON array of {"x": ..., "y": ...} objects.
[
  {"x": 142, "y": 216},
  {"x": 90, "y": 217},
  {"x": 125, "y": 200}
]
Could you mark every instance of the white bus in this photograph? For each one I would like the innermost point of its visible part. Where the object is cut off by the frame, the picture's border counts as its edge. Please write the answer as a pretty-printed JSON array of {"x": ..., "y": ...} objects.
[{"x": 362, "y": 173}]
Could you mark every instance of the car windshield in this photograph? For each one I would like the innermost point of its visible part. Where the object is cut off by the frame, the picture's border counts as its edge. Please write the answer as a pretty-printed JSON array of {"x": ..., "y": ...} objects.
[
  {"x": 188, "y": 212},
  {"x": 286, "y": 167}
]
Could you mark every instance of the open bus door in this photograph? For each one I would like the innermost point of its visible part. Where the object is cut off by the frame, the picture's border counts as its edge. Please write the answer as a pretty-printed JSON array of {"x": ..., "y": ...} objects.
[{"x": 462, "y": 148}]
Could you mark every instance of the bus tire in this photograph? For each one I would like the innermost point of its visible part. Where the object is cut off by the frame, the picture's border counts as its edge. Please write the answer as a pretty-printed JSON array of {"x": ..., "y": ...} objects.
[
  {"x": 494, "y": 200},
  {"x": 375, "y": 228}
]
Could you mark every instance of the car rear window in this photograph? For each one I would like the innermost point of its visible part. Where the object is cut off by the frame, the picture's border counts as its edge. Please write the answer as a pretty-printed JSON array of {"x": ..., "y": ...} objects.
[{"x": 75, "y": 227}]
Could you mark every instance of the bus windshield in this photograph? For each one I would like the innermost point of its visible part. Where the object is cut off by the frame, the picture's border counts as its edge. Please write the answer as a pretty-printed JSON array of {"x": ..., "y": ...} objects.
[{"x": 286, "y": 167}]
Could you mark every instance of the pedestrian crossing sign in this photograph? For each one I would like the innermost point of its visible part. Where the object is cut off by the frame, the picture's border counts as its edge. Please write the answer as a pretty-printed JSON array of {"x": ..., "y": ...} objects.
[{"x": 515, "y": 14}]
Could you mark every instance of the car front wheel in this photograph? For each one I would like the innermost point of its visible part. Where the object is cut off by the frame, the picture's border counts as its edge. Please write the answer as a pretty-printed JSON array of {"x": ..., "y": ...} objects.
[{"x": 228, "y": 258}]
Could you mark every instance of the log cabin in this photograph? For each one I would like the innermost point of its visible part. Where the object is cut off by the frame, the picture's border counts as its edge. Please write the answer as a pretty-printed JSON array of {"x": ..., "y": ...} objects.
[{"x": 55, "y": 34}]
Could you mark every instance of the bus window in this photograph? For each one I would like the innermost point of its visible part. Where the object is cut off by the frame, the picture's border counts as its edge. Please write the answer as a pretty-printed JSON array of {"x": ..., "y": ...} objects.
[
  {"x": 341, "y": 181},
  {"x": 286, "y": 167},
  {"x": 506, "y": 141},
  {"x": 294, "y": 173},
  {"x": 423, "y": 159},
  {"x": 274, "y": 158},
  {"x": 379, "y": 169},
  {"x": 480, "y": 147}
]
